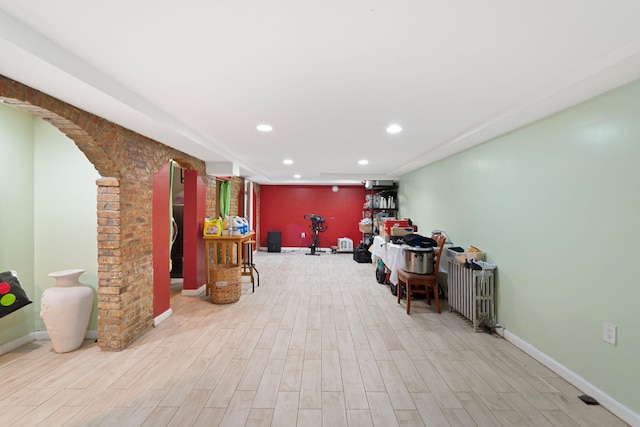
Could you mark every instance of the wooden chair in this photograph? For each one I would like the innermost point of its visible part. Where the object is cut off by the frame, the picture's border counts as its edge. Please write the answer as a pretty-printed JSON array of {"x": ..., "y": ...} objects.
[{"x": 423, "y": 284}]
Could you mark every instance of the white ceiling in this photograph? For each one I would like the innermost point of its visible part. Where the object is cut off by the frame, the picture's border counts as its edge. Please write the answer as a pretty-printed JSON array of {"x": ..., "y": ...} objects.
[{"x": 329, "y": 76}]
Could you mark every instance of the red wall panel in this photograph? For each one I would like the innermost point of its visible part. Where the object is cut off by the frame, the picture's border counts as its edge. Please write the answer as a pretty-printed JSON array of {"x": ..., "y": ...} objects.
[
  {"x": 160, "y": 227},
  {"x": 195, "y": 196},
  {"x": 282, "y": 208}
]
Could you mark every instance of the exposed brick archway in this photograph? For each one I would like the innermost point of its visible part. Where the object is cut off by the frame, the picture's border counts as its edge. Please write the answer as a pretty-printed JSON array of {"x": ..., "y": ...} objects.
[
  {"x": 83, "y": 139},
  {"x": 126, "y": 162}
]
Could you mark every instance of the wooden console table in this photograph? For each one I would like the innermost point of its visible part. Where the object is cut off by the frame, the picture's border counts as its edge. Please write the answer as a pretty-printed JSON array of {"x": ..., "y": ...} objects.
[{"x": 224, "y": 252}]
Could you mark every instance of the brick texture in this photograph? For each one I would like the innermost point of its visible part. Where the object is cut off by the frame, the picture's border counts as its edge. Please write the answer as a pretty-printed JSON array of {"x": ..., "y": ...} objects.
[
  {"x": 237, "y": 188},
  {"x": 126, "y": 162}
]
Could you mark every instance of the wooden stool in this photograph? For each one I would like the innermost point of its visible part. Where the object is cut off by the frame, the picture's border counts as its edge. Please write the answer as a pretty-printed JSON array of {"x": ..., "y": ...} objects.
[
  {"x": 248, "y": 267},
  {"x": 418, "y": 284}
]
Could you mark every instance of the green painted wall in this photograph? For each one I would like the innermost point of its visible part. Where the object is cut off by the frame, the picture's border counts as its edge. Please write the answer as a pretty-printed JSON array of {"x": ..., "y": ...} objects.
[
  {"x": 16, "y": 214},
  {"x": 65, "y": 213},
  {"x": 48, "y": 216},
  {"x": 556, "y": 205}
]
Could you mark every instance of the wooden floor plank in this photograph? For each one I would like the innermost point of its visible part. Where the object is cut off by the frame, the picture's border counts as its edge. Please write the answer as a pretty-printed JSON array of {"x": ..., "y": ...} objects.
[
  {"x": 429, "y": 410},
  {"x": 320, "y": 342},
  {"x": 334, "y": 413},
  {"x": 259, "y": 417},
  {"x": 309, "y": 418},
  {"x": 354, "y": 393},
  {"x": 311, "y": 385},
  {"x": 359, "y": 418},
  {"x": 381, "y": 408},
  {"x": 286, "y": 410}
]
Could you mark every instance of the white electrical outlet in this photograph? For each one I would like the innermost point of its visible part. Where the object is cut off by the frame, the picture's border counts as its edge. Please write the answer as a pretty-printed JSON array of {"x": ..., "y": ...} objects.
[
  {"x": 302, "y": 235},
  {"x": 609, "y": 333}
]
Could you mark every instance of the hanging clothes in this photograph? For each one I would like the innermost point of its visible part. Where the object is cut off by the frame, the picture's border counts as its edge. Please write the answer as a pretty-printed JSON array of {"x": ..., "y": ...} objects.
[{"x": 225, "y": 198}]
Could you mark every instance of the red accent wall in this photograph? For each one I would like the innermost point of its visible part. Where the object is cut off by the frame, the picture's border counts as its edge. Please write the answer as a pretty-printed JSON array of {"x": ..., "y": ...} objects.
[
  {"x": 282, "y": 208},
  {"x": 195, "y": 196},
  {"x": 160, "y": 226}
]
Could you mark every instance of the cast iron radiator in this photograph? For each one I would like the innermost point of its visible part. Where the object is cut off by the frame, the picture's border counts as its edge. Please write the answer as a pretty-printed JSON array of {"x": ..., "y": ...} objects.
[{"x": 472, "y": 294}]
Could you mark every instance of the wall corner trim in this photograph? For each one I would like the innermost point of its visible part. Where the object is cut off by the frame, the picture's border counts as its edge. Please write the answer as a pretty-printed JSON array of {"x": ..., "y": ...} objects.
[
  {"x": 615, "y": 407},
  {"x": 162, "y": 317}
]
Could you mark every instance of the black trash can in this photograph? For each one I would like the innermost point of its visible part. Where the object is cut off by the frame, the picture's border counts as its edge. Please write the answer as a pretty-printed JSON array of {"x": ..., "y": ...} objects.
[{"x": 273, "y": 241}]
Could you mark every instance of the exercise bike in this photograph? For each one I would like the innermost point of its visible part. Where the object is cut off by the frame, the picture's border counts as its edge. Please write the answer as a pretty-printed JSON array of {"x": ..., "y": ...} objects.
[{"x": 317, "y": 226}]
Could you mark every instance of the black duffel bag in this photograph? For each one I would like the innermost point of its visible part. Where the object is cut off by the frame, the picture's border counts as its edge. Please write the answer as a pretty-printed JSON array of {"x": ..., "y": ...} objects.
[
  {"x": 419, "y": 241},
  {"x": 361, "y": 254}
]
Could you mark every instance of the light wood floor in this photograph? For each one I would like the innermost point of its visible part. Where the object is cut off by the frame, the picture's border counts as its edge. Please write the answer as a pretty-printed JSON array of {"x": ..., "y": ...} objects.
[{"x": 320, "y": 342}]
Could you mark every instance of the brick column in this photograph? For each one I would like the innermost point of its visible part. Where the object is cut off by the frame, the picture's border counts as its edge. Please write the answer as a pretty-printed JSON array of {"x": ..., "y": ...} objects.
[
  {"x": 110, "y": 278},
  {"x": 210, "y": 183},
  {"x": 237, "y": 189}
]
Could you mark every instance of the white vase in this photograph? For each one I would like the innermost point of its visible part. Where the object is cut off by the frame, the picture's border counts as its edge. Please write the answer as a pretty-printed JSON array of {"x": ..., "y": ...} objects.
[{"x": 66, "y": 309}]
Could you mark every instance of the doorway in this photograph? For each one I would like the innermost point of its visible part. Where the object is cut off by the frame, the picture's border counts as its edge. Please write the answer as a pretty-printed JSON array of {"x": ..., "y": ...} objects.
[
  {"x": 177, "y": 211},
  {"x": 191, "y": 261}
]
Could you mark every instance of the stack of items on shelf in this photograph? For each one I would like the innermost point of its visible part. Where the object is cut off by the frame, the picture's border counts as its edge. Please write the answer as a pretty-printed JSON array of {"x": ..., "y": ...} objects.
[
  {"x": 387, "y": 227},
  {"x": 366, "y": 226},
  {"x": 236, "y": 226},
  {"x": 392, "y": 227},
  {"x": 382, "y": 200}
]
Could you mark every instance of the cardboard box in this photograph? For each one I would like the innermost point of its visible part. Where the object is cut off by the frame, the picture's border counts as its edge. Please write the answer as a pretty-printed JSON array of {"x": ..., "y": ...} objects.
[
  {"x": 462, "y": 257},
  {"x": 401, "y": 231},
  {"x": 365, "y": 228},
  {"x": 388, "y": 223}
]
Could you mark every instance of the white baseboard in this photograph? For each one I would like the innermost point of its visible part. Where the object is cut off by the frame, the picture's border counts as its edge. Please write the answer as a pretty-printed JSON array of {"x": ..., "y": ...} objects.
[
  {"x": 36, "y": 336},
  {"x": 44, "y": 335},
  {"x": 617, "y": 408},
  {"x": 41, "y": 336},
  {"x": 296, "y": 249},
  {"x": 194, "y": 292},
  {"x": 161, "y": 318},
  {"x": 17, "y": 343}
]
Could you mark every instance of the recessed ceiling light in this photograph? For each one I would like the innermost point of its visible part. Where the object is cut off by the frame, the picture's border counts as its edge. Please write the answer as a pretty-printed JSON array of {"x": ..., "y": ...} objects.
[
  {"x": 264, "y": 128},
  {"x": 394, "y": 129},
  {"x": 363, "y": 162},
  {"x": 296, "y": 176},
  {"x": 287, "y": 161}
]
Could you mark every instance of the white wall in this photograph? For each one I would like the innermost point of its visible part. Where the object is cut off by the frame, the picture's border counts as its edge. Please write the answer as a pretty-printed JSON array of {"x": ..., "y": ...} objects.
[
  {"x": 65, "y": 212},
  {"x": 47, "y": 214},
  {"x": 556, "y": 206},
  {"x": 16, "y": 214}
]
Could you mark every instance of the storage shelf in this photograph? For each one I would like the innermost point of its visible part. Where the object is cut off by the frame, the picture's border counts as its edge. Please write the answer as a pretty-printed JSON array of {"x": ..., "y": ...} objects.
[{"x": 386, "y": 191}]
